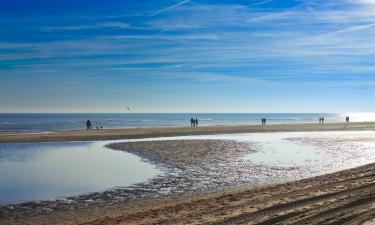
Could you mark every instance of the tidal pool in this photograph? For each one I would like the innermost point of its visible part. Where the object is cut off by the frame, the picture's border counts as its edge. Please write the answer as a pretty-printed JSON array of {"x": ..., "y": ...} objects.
[
  {"x": 272, "y": 148},
  {"x": 336, "y": 149},
  {"x": 275, "y": 148},
  {"x": 43, "y": 171}
]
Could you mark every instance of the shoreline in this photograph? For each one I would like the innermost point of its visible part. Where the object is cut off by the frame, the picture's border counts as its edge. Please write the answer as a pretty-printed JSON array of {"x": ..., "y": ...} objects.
[
  {"x": 137, "y": 133},
  {"x": 347, "y": 195}
]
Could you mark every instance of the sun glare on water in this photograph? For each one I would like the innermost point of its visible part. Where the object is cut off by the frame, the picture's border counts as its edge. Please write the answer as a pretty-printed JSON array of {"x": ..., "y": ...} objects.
[{"x": 361, "y": 117}]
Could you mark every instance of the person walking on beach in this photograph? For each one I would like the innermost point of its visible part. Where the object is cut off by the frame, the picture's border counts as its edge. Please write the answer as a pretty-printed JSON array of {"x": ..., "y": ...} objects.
[
  {"x": 196, "y": 122},
  {"x": 88, "y": 125},
  {"x": 322, "y": 119},
  {"x": 192, "y": 122},
  {"x": 347, "y": 119}
]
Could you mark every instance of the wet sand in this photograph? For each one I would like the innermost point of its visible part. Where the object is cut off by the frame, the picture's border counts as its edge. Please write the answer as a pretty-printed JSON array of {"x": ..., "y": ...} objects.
[
  {"x": 346, "y": 197},
  {"x": 132, "y": 133},
  {"x": 343, "y": 197}
]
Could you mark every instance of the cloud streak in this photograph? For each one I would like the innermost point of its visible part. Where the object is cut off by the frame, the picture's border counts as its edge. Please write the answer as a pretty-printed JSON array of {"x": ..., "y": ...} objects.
[
  {"x": 118, "y": 25},
  {"x": 170, "y": 7},
  {"x": 353, "y": 29},
  {"x": 262, "y": 3},
  {"x": 210, "y": 42}
]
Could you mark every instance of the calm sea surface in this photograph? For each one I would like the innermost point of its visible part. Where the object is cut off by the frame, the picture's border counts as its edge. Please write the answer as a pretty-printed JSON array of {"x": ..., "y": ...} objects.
[{"x": 74, "y": 121}]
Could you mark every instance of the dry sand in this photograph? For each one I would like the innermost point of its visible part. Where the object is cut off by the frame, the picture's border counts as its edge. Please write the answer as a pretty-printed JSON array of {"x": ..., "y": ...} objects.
[{"x": 345, "y": 197}]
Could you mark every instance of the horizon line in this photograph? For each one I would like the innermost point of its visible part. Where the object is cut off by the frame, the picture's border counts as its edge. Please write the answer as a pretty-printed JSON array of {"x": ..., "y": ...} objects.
[{"x": 181, "y": 112}]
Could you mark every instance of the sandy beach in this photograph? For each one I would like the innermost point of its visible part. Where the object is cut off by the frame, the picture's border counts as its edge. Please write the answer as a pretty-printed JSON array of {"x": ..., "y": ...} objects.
[
  {"x": 344, "y": 197},
  {"x": 133, "y": 133}
]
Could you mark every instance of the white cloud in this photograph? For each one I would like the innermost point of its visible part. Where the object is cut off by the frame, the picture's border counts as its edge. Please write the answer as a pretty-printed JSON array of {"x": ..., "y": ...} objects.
[
  {"x": 262, "y": 3},
  {"x": 119, "y": 25},
  {"x": 269, "y": 17},
  {"x": 170, "y": 7},
  {"x": 226, "y": 37},
  {"x": 353, "y": 29},
  {"x": 367, "y": 1},
  {"x": 167, "y": 37}
]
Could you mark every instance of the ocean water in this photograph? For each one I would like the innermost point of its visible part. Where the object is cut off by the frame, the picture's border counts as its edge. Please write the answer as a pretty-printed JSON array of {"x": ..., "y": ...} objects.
[{"x": 76, "y": 121}]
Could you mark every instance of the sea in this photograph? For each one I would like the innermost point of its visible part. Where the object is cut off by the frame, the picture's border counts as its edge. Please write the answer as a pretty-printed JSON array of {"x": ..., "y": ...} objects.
[{"x": 76, "y": 121}]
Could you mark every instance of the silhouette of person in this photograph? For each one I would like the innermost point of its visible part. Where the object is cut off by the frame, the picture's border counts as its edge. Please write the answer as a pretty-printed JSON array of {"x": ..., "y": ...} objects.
[
  {"x": 347, "y": 119},
  {"x": 196, "y": 122},
  {"x": 192, "y": 122},
  {"x": 88, "y": 125},
  {"x": 322, "y": 119},
  {"x": 265, "y": 121}
]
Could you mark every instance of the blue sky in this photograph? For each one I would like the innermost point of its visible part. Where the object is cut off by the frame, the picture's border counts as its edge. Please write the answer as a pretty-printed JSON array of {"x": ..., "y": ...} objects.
[{"x": 187, "y": 56}]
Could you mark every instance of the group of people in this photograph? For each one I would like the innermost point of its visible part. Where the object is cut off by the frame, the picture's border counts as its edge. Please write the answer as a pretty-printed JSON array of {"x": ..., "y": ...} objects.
[
  {"x": 89, "y": 125},
  {"x": 194, "y": 122},
  {"x": 321, "y": 119}
]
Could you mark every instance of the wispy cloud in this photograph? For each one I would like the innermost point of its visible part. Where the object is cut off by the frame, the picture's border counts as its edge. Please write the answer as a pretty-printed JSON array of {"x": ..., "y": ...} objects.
[
  {"x": 170, "y": 7},
  {"x": 353, "y": 29},
  {"x": 168, "y": 37},
  {"x": 366, "y": 1},
  {"x": 232, "y": 39},
  {"x": 118, "y": 25},
  {"x": 268, "y": 17},
  {"x": 261, "y": 3}
]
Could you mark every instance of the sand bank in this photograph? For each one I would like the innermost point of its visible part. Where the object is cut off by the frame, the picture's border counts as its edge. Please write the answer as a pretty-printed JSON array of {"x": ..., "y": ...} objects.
[{"x": 131, "y": 133}]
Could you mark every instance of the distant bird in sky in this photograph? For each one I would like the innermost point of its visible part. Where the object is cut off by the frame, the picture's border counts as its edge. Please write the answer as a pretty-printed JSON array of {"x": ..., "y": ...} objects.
[{"x": 128, "y": 108}]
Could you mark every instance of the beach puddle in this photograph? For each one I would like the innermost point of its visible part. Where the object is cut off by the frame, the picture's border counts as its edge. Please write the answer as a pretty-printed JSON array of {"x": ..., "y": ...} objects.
[
  {"x": 276, "y": 149},
  {"x": 43, "y": 171}
]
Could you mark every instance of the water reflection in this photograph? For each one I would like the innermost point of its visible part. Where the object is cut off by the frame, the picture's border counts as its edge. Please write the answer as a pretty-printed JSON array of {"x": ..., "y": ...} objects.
[
  {"x": 40, "y": 171},
  {"x": 277, "y": 149}
]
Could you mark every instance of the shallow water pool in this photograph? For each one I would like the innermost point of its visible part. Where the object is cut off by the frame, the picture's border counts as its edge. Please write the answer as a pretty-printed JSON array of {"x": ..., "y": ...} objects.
[
  {"x": 336, "y": 149},
  {"x": 42, "y": 171}
]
